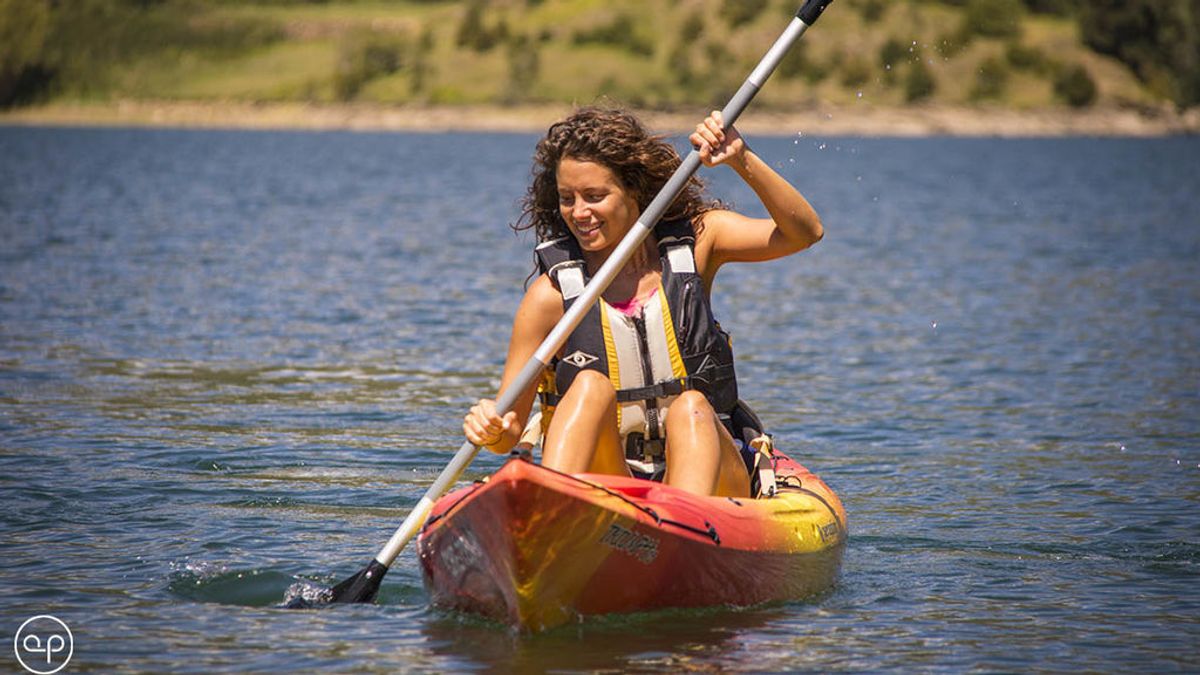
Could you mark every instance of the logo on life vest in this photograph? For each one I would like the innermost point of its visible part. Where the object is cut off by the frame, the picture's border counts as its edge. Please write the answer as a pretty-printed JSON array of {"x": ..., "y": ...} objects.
[
  {"x": 580, "y": 359},
  {"x": 640, "y": 546}
]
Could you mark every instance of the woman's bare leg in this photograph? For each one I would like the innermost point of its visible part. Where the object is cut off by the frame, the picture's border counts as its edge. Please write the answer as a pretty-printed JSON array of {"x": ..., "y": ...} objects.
[
  {"x": 701, "y": 457},
  {"x": 583, "y": 433}
]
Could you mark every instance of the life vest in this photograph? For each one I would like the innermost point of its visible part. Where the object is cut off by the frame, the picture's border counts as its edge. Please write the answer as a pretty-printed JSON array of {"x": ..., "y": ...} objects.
[{"x": 672, "y": 346}]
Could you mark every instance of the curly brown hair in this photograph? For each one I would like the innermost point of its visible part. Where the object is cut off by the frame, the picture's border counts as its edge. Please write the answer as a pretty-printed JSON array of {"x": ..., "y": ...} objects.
[{"x": 616, "y": 139}]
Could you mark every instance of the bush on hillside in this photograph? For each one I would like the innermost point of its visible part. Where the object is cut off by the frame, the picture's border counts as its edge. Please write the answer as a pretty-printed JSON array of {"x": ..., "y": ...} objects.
[
  {"x": 919, "y": 84},
  {"x": 993, "y": 18},
  {"x": 1075, "y": 86},
  {"x": 738, "y": 12},
  {"x": 692, "y": 29},
  {"x": 1031, "y": 59},
  {"x": 620, "y": 32},
  {"x": 1056, "y": 7},
  {"x": 794, "y": 63},
  {"x": 991, "y": 79},
  {"x": 952, "y": 43},
  {"x": 364, "y": 56},
  {"x": 871, "y": 10},
  {"x": 891, "y": 55},
  {"x": 855, "y": 72}
]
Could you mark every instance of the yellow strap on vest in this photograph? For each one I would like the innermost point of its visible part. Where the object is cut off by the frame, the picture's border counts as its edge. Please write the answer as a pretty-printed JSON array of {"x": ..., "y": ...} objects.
[
  {"x": 677, "y": 367},
  {"x": 610, "y": 351}
]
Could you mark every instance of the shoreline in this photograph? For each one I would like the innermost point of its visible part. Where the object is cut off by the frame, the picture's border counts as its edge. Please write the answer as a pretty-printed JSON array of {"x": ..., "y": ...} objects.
[{"x": 857, "y": 120}]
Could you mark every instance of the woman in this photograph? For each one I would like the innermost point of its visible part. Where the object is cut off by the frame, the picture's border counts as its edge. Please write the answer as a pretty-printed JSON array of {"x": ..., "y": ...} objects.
[{"x": 647, "y": 378}]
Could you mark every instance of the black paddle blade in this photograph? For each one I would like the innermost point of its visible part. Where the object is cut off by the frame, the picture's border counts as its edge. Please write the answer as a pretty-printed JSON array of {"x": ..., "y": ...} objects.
[{"x": 361, "y": 587}]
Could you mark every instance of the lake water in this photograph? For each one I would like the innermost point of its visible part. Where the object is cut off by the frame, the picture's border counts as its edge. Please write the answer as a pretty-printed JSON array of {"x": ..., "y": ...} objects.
[{"x": 234, "y": 360}]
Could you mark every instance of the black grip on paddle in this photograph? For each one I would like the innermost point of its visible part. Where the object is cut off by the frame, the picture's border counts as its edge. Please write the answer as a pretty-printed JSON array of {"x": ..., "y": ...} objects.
[{"x": 811, "y": 11}]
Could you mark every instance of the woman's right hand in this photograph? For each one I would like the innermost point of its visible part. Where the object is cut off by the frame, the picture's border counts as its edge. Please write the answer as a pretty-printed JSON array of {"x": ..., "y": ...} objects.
[{"x": 484, "y": 428}]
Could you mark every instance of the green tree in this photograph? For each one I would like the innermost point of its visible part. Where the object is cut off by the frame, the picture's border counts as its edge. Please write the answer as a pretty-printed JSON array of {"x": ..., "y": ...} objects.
[
  {"x": 420, "y": 62},
  {"x": 24, "y": 25},
  {"x": 524, "y": 63},
  {"x": 471, "y": 31},
  {"x": 1158, "y": 39}
]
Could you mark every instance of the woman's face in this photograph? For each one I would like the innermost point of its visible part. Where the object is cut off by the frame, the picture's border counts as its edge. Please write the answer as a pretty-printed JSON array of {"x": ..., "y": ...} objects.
[{"x": 596, "y": 207}]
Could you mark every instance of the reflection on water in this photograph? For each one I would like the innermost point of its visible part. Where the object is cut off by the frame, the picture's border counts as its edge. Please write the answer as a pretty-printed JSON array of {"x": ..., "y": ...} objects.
[{"x": 231, "y": 362}]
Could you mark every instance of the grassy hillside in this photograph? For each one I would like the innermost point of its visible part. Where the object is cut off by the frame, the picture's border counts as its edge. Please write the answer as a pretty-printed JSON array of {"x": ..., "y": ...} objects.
[{"x": 649, "y": 53}]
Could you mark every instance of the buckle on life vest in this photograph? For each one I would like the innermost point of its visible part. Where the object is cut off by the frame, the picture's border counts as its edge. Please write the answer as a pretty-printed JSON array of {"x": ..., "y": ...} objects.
[
  {"x": 642, "y": 449},
  {"x": 652, "y": 391}
]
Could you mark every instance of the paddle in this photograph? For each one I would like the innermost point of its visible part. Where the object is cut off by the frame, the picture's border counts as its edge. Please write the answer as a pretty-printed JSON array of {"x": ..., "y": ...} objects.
[{"x": 362, "y": 587}]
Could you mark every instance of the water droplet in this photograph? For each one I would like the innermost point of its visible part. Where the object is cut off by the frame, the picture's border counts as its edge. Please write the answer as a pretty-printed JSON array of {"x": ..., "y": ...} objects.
[
  {"x": 858, "y": 178},
  {"x": 821, "y": 146},
  {"x": 792, "y": 160},
  {"x": 933, "y": 325},
  {"x": 860, "y": 94}
]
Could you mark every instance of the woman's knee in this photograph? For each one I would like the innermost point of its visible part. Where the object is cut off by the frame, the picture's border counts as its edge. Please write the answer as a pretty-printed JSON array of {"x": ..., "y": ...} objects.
[
  {"x": 593, "y": 387},
  {"x": 690, "y": 407}
]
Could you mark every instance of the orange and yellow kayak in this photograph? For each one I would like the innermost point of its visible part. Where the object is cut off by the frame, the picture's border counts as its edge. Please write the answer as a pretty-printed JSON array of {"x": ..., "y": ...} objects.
[{"x": 535, "y": 548}]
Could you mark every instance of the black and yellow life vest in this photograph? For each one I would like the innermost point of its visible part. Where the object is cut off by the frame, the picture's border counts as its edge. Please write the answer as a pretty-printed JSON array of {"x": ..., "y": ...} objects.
[{"x": 673, "y": 345}]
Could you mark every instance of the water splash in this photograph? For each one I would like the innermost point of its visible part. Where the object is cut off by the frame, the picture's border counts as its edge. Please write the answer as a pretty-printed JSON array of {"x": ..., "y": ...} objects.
[
  {"x": 306, "y": 595},
  {"x": 216, "y": 583}
]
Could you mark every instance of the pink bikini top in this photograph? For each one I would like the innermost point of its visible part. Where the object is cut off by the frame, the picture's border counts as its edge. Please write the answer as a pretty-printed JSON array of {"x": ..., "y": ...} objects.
[{"x": 632, "y": 306}]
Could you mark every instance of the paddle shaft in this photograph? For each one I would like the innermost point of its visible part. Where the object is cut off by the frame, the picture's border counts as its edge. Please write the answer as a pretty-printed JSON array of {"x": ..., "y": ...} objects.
[{"x": 600, "y": 281}]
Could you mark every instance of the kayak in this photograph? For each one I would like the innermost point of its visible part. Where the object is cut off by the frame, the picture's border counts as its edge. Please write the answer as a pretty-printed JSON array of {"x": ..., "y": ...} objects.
[{"x": 535, "y": 548}]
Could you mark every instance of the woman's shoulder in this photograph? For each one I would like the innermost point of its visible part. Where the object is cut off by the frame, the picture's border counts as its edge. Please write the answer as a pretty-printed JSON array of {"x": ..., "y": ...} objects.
[
  {"x": 540, "y": 309},
  {"x": 543, "y": 294},
  {"x": 709, "y": 227}
]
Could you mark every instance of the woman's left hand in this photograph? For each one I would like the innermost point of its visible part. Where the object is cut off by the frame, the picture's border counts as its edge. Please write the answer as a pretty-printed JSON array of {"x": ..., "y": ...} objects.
[{"x": 717, "y": 145}]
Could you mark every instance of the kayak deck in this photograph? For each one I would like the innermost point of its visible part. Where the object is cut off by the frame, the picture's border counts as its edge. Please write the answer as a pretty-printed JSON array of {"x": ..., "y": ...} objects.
[{"x": 535, "y": 548}]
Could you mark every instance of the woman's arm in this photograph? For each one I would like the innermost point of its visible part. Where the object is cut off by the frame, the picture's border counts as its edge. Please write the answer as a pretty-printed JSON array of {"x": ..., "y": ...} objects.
[
  {"x": 538, "y": 313},
  {"x": 731, "y": 237}
]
